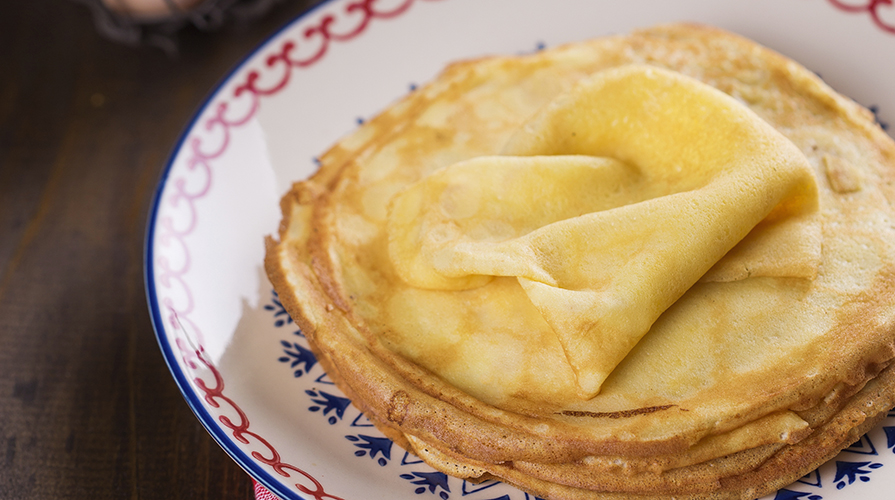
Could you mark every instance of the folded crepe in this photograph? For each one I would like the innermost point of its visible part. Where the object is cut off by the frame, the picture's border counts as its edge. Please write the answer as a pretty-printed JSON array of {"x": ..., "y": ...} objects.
[
  {"x": 653, "y": 265},
  {"x": 609, "y": 205}
]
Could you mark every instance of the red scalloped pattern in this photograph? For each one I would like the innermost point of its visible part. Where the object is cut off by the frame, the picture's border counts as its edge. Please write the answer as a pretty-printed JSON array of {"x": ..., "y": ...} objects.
[
  {"x": 209, "y": 141},
  {"x": 871, "y": 7},
  {"x": 239, "y": 426}
]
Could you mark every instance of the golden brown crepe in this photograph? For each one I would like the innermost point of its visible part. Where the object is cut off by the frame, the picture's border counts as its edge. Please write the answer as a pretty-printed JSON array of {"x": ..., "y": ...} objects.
[
  {"x": 648, "y": 265},
  {"x": 609, "y": 205}
]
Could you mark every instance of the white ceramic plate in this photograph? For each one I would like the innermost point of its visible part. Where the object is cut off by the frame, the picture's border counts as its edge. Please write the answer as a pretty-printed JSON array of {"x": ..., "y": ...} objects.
[{"x": 243, "y": 365}]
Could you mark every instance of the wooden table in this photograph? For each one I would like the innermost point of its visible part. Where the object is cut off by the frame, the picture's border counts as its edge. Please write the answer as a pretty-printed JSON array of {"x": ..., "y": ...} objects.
[{"x": 88, "y": 408}]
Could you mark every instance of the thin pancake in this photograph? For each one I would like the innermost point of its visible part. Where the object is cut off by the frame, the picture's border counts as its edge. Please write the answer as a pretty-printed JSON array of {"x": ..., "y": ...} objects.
[{"x": 481, "y": 373}]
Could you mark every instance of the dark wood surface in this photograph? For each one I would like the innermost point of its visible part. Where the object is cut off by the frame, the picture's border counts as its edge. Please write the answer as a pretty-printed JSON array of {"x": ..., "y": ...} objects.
[{"x": 88, "y": 408}]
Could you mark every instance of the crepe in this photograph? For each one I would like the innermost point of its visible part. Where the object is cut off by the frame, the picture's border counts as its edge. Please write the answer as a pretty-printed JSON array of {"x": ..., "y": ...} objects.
[
  {"x": 656, "y": 265},
  {"x": 609, "y": 205}
]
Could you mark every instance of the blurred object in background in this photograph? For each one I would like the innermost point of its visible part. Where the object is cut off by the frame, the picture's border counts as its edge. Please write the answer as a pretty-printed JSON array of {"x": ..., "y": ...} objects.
[{"x": 156, "y": 22}]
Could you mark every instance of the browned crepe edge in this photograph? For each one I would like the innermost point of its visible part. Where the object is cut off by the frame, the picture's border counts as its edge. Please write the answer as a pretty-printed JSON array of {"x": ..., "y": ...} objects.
[{"x": 756, "y": 478}]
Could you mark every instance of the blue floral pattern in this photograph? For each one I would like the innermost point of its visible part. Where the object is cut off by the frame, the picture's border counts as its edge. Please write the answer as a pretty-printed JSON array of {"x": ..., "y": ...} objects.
[
  {"x": 326, "y": 403},
  {"x": 852, "y": 471},
  {"x": 372, "y": 445},
  {"x": 300, "y": 358},
  {"x": 281, "y": 317},
  {"x": 434, "y": 482}
]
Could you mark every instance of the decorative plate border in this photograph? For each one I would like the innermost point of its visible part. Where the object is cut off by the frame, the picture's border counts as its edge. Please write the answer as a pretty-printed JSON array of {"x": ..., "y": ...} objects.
[
  {"x": 871, "y": 7},
  {"x": 197, "y": 368},
  {"x": 173, "y": 314}
]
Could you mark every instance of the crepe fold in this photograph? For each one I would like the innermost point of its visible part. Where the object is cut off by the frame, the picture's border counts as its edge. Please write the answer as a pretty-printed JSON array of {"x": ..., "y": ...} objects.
[
  {"x": 694, "y": 299},
  {"x": 609, "y": 205}
]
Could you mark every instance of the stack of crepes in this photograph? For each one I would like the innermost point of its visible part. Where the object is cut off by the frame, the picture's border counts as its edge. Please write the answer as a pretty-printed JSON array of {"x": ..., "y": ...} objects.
[{"x": 656, "y": 265}]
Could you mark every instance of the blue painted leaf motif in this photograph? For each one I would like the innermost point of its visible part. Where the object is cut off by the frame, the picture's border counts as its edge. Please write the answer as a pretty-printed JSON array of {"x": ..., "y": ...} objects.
[
  {"x": 853, "y": 471},
  {"x": 372, "y": 445},
  {"x": 785, "y": 494},
  {"x": 279, "y": 312},
  {"x": 297, "y": 355},
  {"x": 504, "y": 497},
  {"x": 432, "y": 481},
  {"x": 328, "y": 403},
  {"x": 890, "y": 437}
]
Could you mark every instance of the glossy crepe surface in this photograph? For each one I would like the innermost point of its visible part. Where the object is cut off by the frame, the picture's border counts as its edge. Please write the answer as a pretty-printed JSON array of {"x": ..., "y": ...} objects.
[
  {"x": 609, "y": 205},
  {"x": 744, "y": 363}
]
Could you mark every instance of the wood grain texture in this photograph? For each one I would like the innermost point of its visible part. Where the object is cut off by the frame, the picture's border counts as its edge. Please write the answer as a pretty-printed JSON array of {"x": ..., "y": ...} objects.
[{"x": 88, "y": 408}]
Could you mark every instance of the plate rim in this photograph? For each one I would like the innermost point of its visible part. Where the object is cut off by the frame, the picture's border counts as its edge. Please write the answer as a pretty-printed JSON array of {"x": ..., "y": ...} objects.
[{"x": 253, "y": 469}]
